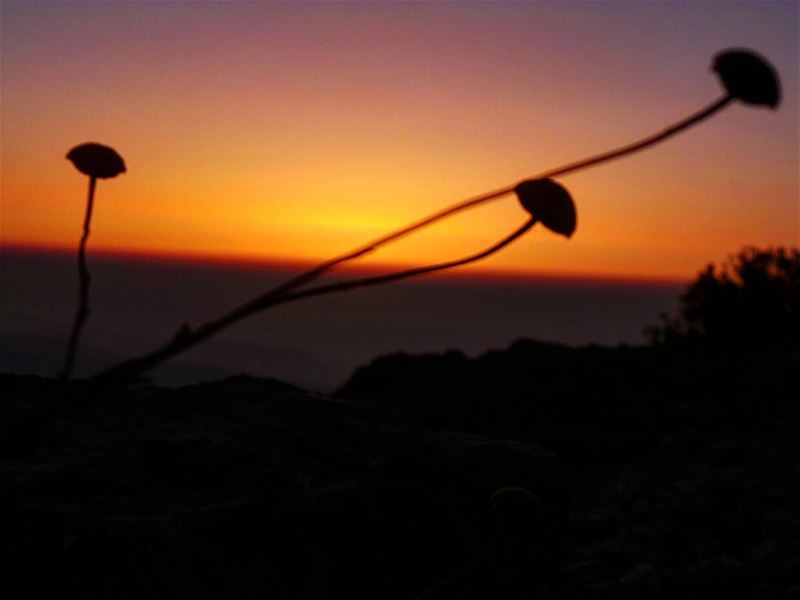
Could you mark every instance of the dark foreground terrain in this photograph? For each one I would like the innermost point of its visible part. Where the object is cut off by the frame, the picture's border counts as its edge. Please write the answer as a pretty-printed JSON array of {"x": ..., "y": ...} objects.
[{"x": 649, "y": 474}]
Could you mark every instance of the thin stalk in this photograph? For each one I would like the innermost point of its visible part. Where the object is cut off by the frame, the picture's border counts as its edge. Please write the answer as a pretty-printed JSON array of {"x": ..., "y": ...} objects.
[
  {"x": 83, "y": 288},
  {"x": 592, "y": 161},
  {"x": 689, "y": 121},
  {"x": 185, "y": 339}
]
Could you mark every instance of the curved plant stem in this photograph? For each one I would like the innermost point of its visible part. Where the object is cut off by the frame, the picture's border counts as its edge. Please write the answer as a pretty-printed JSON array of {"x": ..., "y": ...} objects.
[
  {"x": 378, "y": 279},
  {"x": 670, "y": 131},
  {"x": 689, "y": 121},
  {"x": 83, "y": 288},
  {"x": 185, "y": 338}
]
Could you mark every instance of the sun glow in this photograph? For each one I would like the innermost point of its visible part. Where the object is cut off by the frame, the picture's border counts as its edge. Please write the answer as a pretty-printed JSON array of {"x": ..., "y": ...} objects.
[{"x": 305, "y": 131}]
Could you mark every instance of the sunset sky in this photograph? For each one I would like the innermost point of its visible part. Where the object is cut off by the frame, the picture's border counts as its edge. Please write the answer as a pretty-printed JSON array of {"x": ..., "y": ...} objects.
[{"x": 296, "y": 131}]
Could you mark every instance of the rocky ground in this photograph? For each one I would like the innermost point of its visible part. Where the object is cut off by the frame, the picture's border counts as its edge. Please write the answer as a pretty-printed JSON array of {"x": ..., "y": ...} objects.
[{"x": 537, "y": 472}]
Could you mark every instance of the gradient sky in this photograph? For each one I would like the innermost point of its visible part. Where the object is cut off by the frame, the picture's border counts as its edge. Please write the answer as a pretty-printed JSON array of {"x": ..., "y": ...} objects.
[{"x": 295, "y": 131}]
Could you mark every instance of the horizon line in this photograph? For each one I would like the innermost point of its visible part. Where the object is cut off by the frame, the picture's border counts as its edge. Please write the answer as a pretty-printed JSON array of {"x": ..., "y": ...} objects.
[{"x": 288, "y": 265}]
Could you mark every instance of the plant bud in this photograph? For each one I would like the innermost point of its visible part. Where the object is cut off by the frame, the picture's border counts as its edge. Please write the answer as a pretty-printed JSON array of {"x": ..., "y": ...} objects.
[
  {"x": 748, "y": 77},
  {"x": 96, "y": 160},
  {"x": 549, "y": 203}
]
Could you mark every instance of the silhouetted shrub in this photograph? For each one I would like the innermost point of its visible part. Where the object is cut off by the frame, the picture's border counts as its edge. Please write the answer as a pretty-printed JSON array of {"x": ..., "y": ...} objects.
[{"x": 752, "y": 300}]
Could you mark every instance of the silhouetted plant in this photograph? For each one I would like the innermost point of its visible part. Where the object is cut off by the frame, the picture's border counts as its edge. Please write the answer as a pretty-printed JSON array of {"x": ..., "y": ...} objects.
[
  {"x": 753, "y": 300},
  {"x": 746, "y": 76},
  {"x": 98, "y": 162},
  {"x": 549, "y": 203},
  {"x": 535, "y": 197}
]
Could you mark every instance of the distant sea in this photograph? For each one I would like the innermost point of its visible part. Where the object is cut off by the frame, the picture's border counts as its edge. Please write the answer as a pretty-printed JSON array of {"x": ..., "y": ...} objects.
[{"x": 138, "y": 304}]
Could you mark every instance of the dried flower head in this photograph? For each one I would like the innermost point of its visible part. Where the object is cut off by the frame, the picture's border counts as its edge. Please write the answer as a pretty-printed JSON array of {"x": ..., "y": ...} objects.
[
  {"x": 96, "y": 160},
  {"x": 748, "y": 77},
  {"x": 549, "y": 203}
]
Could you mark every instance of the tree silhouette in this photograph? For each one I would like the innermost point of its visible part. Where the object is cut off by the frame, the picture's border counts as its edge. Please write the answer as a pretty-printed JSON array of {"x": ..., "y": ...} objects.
[{"x": 751, "y": 301}]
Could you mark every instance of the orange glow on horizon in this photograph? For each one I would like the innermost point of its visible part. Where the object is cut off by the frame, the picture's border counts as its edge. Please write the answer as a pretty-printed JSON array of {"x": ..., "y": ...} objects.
[
  {"x": 293, "y": 134},
  {"x": 352, "y": 269}
]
